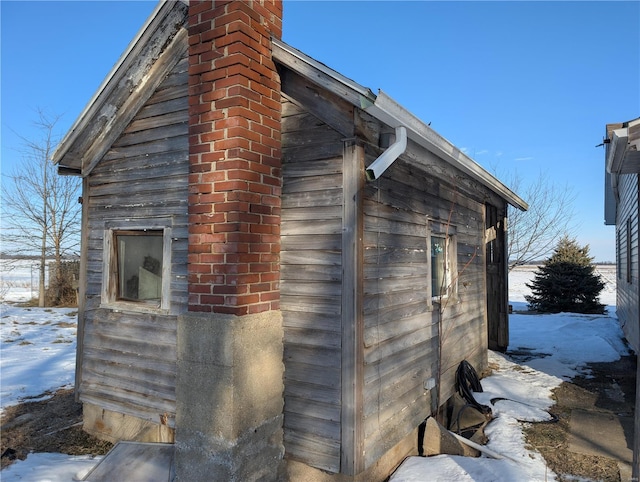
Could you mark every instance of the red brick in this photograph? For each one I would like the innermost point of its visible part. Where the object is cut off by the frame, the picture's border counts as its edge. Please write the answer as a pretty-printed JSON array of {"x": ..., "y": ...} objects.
[
  {"x": 260, "y": 228},
  {"x": 212, "y": 136},
  {"x": 234, "y": 149},
  {"x": 211, "y": 299},
  {"x": 243, "y": 258},
  {"x": 247, "y": 196},
  {"x": 243, "y": 217},
  {"x": 267, "y": 295},
  {"x": 250, "y": 279},
  {"x": 227, "y": 227},
  {"x": 213, "y": 279},
  {"x": 200, "y": 288},
  {"x": 246, "y": 8},
  {"x": 243, "y": 238},
  {"x": 213, "y": 259},
  {"x": 261, "y": 248},
  {"x": 228, "y": 290},
  {"x": 231, "y": 206},
  {"x": 232, "y": 122},
  {"x": 241, "y": 33},
  {"x": 215, "y": 74},
  {"x": 270, "y": 277},
  {"x": 244, "y": 175},
  {"x": 243, "y": 112},
  {"x": 230, "y": 308},
  {"x": 214, "y": 33},
  {"x": 241, "y": 132},
  {"x": 200, "y": 268},
  {"x": 236, "y": 101},
  {"x": 258, "y": 308},
  {"x": 248, "y": 299},
  {"x": 197, "y": 7},
  {"x": 231, "y": 143},
  {"x": 244, "y": 71},
  {"x": 232, "y": 16}
]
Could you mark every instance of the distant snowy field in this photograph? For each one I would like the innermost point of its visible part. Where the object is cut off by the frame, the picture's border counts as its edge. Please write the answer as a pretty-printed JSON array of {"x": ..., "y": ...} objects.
[
  {"x": 520, "y": 276},
  {"x": 37, "y": 356},
  {"x": 37, "y": 344}
]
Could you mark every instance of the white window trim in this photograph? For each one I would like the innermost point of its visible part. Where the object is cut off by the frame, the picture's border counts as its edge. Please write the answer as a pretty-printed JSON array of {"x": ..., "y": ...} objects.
[
  {"x": 109, "y": 298},
  {"x": 449, "y": 232}
]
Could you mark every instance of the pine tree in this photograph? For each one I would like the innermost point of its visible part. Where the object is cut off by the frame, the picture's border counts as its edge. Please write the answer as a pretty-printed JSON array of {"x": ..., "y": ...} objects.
[{"x": 566, "y": 282}]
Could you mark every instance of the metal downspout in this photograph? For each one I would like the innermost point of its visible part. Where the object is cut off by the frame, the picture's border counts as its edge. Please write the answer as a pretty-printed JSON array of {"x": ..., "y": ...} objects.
[{"x": 395, "y": 150}]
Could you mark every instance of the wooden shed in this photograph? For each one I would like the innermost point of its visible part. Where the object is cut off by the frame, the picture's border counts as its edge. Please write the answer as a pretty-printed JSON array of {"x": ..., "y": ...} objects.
[
  {"x": 622, "y": 209},
  {"x": 229, "y": 176}
]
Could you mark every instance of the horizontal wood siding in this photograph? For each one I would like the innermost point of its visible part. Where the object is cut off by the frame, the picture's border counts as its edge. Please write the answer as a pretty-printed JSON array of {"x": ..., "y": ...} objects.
[
  {"x": 310, "y": 289},
  {"x": 628, "y": 283},
  {"x": 129, "y": 359},
  {"x": 401, "y": 324}
]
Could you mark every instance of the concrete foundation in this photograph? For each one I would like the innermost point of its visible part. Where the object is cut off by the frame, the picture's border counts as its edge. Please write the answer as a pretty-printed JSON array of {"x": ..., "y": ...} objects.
[{"x": 229, "y": 397}]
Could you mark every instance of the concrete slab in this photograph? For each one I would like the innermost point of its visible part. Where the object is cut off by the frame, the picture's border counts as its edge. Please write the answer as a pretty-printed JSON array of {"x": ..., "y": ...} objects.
[
  {"x": 135, "y": 461},
  {"x": 599, "y": 433}
]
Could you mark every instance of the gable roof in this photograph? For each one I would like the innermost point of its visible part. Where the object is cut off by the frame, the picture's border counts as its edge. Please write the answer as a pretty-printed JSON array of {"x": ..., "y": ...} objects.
[
  {"x": 388, "y": 111},
  {"x": 157, "y": 48}
]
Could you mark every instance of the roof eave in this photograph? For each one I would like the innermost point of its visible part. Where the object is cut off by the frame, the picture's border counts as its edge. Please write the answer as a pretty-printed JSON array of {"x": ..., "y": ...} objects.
[
  {"x": 623, "y": 152},
  {"x": 393, "y": 114},
  {"x": 61, "y": 154},
  {"x": 388, "y": 111}
]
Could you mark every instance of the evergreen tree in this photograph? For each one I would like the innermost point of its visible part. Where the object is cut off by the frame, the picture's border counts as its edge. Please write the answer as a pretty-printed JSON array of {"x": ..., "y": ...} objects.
[{"x": 566, "y": 282}]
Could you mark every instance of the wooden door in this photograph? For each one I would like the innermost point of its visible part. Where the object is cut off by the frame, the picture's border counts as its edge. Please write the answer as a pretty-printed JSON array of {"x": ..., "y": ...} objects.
[{"x": 496, "y": 280}]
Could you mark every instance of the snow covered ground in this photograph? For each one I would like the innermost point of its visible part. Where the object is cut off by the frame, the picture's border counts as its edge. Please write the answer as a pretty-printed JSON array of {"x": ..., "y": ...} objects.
[{"x": 38, "y": 356}]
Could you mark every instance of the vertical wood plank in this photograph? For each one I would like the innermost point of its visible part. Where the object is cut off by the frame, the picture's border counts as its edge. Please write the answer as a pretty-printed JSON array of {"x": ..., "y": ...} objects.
[
  {"x": 352, "y": 444},
  {"x": 82, "y": 285},
  {"x": 108, "y": 266},
  {"x": 166, "y": 269}
]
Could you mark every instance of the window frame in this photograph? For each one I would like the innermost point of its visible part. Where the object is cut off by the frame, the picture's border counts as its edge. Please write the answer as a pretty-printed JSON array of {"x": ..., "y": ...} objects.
[
  {"x": 448, "y": 232},
  {"x": 110, "y": 298},
  {"x": 619, "y": 254}
]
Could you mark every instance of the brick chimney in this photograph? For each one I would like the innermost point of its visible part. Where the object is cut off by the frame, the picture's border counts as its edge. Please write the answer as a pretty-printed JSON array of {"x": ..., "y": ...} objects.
[
  {"x": 229, "y": 380},
  {"x": 235, "y": 178}
]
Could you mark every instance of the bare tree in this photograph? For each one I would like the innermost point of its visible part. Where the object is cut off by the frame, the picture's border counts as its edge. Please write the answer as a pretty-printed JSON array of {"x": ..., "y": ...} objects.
[
  {"x": 40, "y": 210},
  {"x": 533, "y": 234}
]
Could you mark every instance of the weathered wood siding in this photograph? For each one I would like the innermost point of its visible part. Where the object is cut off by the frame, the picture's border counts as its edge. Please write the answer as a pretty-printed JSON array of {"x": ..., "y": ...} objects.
[
  {"x": 401, "y": 323},
  {"x": 129, "y": 359},
  {"x": 628, "y": 283},
  {"x": 310, "y": 288}
]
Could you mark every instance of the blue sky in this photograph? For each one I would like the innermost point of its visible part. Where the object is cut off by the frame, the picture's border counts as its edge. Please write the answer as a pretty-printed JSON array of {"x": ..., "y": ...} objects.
[{"x": 523, "y": 87}]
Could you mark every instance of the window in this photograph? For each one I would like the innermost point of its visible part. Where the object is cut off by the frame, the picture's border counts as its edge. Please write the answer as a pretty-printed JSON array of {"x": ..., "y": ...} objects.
[
  {"x": 440, "y": 269},
  {"x": 136, "y": 269},
  {"x": 442, "y": 249},
  {"x": 619, "y": 254},
  {"x": 139, "y": 265}
]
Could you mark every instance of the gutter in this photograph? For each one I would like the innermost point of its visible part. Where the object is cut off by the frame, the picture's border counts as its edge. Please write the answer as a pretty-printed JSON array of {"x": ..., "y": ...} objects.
[
  {"x": 386, "y": 110},
  {"x": 393, "y": 114}
]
